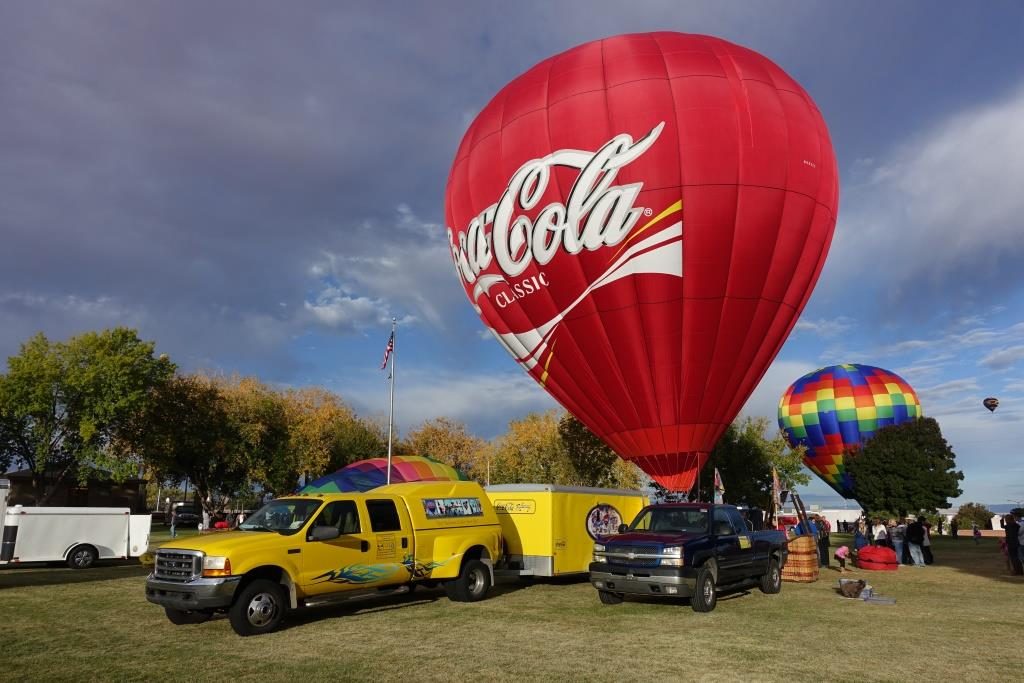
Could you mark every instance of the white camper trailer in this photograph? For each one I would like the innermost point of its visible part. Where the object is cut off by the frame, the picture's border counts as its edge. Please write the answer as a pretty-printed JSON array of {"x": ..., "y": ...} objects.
[{"x": 78, "y": 536}]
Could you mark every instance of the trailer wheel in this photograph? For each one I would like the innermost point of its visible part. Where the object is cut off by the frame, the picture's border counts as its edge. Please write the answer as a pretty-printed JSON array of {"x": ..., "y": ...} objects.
[
  {"x": 771, "y": 582},
  {"x": 705, "y": 597},
  {"x": 180, "y": 617},
  {"x": 258, "y": 609},
  {"x": 82, "y": 557},
  {"x": 610, "y": 598},
  {"x": 472, "y": 583}
]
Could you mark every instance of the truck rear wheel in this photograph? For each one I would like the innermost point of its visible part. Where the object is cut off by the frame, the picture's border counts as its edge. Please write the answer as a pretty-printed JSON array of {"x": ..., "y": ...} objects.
[
  {"x": 258, "y": 609},
  {"x": 705, "y": 597},
  {"x": 472, "y": 583},
  {"x": 610, "y": 598},
  {"x": 180, "y": 617},
  {"x": 771, "y": 582},
  {"x": 82, "y": 557}
]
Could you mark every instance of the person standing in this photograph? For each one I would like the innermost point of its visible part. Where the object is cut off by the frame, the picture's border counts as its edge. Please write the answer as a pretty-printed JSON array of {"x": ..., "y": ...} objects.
[
  {"x": 976, "y": 533},
  {"x": 880, "y": 534},
  {"x": 926, "y": 546},
  {"x": 899, "y": 534},
  {"x": 824, "y": 529},
  {"x": 915, "y": 539},
  {"x": 174, "y": 522},
  {"x": 954, "y": 527},
  {"x": 1012, "y": 530}
]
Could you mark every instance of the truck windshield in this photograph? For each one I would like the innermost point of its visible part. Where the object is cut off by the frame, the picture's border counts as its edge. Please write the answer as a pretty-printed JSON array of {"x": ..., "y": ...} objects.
[
  {"x": 285, "y": 516},
  {"x": 669, "y": 520}
]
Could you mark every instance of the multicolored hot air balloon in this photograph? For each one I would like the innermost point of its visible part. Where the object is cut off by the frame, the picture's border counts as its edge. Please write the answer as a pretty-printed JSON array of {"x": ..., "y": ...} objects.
[
  {"x": 639, "y": 221},
  {"x": 369, "y": 474},
  {"x": 991, "y": 403},
  {"x": 834, "y": 409}
]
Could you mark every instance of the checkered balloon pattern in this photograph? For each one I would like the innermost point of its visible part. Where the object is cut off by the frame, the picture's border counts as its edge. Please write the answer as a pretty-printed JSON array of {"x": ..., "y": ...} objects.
[{"x": 836, "y": 408}]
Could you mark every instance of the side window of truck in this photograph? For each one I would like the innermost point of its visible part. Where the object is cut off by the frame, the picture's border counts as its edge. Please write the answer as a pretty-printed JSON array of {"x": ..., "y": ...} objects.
[
  {"x": 738, "y": 522},
  {"x": 383, "y": 515},
  {"x": 341, "y": 514},
  {"x": 722, "y": 526}
]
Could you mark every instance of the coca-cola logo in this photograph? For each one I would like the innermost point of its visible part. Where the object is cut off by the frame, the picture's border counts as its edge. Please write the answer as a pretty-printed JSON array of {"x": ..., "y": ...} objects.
[{"x": 596, "y": 213}]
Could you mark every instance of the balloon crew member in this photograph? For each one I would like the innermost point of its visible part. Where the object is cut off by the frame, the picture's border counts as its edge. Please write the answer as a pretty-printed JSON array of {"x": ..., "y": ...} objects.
[{"x": 1012, "y": 530}]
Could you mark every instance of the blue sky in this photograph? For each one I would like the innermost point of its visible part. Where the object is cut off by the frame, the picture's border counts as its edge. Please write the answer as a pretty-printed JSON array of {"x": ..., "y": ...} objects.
[{"x": 260, "y": 187}]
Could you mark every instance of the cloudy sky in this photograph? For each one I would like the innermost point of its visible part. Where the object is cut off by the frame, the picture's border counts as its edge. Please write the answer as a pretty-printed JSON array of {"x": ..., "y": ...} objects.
[{"x": 259, "y": 187}]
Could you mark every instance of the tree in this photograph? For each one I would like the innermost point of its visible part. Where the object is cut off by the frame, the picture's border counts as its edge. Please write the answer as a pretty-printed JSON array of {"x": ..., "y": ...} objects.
[
  {"x": 67, "y": 407},
  {"x": 188, "y": 432},
  {"x": 324, "y": 434},
  {"x": 906, "y": 467},
  {"x": 449, "y": 442},
  {"x": 531, "y": 451},
  {"x": 976, "y": 513},
  {"x": 1017, "y": 513},
  {"x": 259, "y": 420},
  {"x": 594, "y": 462},
  {"x": 744, "y": 457}
]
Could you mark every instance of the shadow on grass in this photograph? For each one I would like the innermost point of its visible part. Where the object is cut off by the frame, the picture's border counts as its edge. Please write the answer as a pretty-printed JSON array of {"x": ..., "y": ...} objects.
[{"x": 40, "y": 574}]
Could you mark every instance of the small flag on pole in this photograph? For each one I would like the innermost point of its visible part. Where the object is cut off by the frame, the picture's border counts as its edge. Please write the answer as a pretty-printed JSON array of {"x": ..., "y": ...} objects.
[
  {"x": 387, "y": 350},
  {"x": 719, "y": 487}
]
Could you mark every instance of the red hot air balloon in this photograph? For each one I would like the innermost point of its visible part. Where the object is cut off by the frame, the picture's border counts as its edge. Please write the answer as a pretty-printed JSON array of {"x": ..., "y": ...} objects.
[{"x": 639, "y": 221}]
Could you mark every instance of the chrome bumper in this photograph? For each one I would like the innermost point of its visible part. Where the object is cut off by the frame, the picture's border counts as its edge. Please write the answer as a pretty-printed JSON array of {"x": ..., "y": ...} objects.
[
  {"x": 670, "y": 586},
  {"x": 192, "y": 595}
]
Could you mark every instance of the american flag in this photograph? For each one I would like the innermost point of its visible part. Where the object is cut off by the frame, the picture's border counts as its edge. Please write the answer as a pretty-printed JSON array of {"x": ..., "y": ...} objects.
[{"x": 387, "y": 350}]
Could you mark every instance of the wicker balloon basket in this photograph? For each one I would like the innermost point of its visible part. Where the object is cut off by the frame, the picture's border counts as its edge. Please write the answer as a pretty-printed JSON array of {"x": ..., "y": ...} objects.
[{"x": 802, "y": 565}]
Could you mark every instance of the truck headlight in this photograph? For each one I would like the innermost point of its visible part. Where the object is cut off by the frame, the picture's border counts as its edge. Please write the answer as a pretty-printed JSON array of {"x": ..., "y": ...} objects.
[
  {"x": 599, "y": 553},
  {"x": 672, "y": 556},
  {"x": 216, "y": 566}
]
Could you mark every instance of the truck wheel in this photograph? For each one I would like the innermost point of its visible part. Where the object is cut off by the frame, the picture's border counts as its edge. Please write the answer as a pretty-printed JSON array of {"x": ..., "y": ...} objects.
[
  {"x": 705, "y": 597},
  {"x": 472, "y": 583},
  {"x": 258, "y": 609},
  {"x": 82, "y": 557},
  {"x": 610, "y": 598},
  {"x": 771, "y": 582},
  {"x": 180, "y": 617}
]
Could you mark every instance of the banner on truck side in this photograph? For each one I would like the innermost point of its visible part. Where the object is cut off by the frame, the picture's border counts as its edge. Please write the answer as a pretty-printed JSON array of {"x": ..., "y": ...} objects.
[{"x": 436, "y": 508}]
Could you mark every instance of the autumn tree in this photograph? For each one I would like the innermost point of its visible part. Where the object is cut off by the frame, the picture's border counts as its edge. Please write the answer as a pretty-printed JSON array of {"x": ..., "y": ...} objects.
[
  {"x": 745, "y": 456},
  {"x": 594, "y": 463},
  {"x": 66, "y": 407},
  {"x": 906, "y": 468},
  {"x": 974, "y": 513},
  {"x": 447, "y": 441},
  {"x": 531, "y": 451},
  {"x": 259, "y": 419}
]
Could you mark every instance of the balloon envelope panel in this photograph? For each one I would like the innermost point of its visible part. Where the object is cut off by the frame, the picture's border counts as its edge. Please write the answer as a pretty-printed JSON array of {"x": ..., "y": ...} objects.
[
  {"x": 639, "y": 221},
  {"x": 839, "y": 407},
  {"x": 369, "y": 474}
]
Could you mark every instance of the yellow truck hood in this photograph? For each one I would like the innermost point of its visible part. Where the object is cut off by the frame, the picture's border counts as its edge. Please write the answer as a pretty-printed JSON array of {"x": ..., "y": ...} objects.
[{"x": 228, "y": 543}]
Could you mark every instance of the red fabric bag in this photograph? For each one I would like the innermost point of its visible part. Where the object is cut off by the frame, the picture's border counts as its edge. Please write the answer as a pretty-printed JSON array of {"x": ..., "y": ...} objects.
[{"x": 877, "y": 558}]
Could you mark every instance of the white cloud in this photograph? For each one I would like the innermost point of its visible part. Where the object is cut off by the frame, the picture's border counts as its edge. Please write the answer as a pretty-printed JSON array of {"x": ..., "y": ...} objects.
[
  {"x": 825, "y": 327},
  {"x": 940, "y": 214},
  {"x": 764, "y": 401},
  {"x": 1003, "y": 358}
]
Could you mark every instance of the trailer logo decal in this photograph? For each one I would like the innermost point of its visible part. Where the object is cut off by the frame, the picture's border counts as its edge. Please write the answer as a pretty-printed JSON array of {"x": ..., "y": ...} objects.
[{"x": 603, "y": 520}]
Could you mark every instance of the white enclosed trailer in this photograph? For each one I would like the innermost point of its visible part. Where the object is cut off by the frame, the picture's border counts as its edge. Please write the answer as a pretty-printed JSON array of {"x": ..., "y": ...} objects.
[{"x": 78, "y": 536}]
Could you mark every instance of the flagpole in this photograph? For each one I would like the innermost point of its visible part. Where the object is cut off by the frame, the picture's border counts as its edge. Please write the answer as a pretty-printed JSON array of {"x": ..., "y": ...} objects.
[{"x": 391, "y": 413}]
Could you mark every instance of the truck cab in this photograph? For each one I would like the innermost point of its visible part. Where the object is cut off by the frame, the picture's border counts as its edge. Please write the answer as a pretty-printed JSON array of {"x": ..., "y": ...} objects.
[
  {"x": 300, "y": 551},
  {"x": 690, "y": 550}
]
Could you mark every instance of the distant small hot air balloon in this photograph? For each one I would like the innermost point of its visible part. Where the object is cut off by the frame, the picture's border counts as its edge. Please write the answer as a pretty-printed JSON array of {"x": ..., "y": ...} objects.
[
  {"x": 834, "y": 409},
  {"x": 991, "y": 403}
]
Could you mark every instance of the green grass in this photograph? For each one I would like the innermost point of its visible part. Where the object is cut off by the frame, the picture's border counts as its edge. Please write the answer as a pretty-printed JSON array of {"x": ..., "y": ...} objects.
[{"x": 952, "y": 621}]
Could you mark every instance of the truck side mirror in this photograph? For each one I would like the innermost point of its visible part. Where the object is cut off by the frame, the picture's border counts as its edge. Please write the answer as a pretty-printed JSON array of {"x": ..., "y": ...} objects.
[
  {"x": 623, "y": 528},
  {"x": 324, "y": 533}
]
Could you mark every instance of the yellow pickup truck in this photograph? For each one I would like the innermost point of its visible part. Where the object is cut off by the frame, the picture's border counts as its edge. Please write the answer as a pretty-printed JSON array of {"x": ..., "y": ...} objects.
[{"x": 300, "y": 551}]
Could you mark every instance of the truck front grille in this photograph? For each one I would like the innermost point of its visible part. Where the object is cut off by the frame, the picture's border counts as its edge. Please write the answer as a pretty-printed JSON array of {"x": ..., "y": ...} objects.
[
  {"x": 178, "y": 565},
  {"x": 642, "y": 555}
]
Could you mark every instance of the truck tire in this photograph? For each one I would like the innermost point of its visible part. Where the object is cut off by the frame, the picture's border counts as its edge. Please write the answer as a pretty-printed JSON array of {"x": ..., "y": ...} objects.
[
  {"x": 771, "y": 582},
  {"x": 472, "y": 583},
  {"x": 610, "y": 598},
  {"x": 180, "y": 617},
  {"x": 705, "y": 596},
  {"x": 258, "y": 608},
  {"x": 82, "y": 557}
]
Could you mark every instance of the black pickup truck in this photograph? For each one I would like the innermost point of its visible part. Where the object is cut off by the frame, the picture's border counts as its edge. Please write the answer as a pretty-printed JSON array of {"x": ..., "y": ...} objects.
[{"x": 689, "y": 550}]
